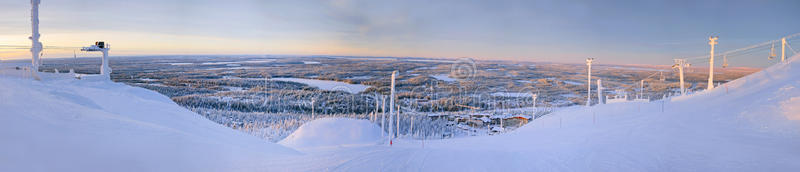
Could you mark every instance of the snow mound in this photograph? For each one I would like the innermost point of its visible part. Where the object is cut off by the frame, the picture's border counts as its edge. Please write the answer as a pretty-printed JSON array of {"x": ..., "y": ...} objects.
[
  {"x": 65, "y": 124},
  {"x": 332, "y": 132}
]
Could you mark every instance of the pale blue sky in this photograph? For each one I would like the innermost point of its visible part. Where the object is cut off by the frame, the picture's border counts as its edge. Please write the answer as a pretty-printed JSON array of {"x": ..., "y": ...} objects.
[{"x": 649, "y": 32}]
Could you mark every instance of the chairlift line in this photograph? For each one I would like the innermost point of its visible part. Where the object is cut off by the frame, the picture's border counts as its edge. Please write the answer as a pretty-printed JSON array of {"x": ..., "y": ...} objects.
[
  {"x": 790, "y": 48},
  {"x": 749, "y": 47}
]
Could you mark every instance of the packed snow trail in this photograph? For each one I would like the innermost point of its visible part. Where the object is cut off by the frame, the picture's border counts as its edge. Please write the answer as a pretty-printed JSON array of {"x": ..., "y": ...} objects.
[
  {"x": 65, "y": 124},
  {"x": 750, "y": 124}
]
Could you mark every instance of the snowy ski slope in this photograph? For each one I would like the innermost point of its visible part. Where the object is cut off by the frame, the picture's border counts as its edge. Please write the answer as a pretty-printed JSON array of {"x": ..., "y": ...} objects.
[
  {"x": 63, "y": 124},
  {"x": 750, "y": 124}
]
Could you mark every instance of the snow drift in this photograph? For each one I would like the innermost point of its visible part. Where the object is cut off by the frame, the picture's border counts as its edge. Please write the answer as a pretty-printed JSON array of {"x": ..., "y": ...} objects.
[
  {"x": 328, "y": 132},
  {"x": 65, "y": 124}
]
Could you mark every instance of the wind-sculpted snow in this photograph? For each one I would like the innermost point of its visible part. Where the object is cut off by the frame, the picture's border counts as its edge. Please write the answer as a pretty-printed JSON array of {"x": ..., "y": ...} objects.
[{"x": 65, "y": 124}]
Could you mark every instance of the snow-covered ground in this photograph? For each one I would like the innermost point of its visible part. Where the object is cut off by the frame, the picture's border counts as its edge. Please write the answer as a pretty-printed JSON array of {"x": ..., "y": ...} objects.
[
  {"x": 65, "y": 124},
  {"x": 334, "y": 132},
  {"x": 750, "y": 124},
  {"x": 747, "y": 125},
  {"x": 444, "y": 77}
]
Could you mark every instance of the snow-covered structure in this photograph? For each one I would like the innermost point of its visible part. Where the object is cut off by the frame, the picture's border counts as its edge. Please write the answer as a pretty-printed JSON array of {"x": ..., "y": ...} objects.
[
  {"x": 600, "y": 92},
  {"x": 103, "y": 47},
  {"x": 589, "y": 81},
  {"x": 712, "y": 41},
  {"x": 36, "y": 45},
  {"x": 619, "y": 96}
]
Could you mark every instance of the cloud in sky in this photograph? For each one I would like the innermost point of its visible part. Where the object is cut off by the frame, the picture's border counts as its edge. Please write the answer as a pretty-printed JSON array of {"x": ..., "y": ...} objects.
[{"x": 563, "y": 31}]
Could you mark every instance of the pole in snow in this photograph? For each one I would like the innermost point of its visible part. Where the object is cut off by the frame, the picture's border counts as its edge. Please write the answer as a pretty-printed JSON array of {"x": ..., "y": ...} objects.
[
  {"x": 411, "y": 130},
  {"x": 391, "y": 106},
  {"x": 680, "y": 63},
  {"x": 36, "y": 46},
  {"x": 712, "y": 40},
  {"x": 600, "y": 91},
  {"x": 312, "y": 108},
  {"x": 589, "y": 82},
  {"x": 383, "y": 115},
  {"x": 375, "y": 115},
  {"x": 397, "y": 122},
  {"x": 641, "y": 89},
  {"x": 783, "y": 49}
]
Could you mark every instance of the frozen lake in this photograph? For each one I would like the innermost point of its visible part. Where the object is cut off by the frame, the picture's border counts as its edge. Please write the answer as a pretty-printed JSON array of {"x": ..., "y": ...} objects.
[
  {"x": 444, "y": 77},
  {"x": 327, "y": 85}
]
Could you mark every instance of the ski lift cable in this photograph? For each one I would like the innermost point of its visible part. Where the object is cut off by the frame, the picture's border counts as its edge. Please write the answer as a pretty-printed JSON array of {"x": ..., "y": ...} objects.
[
  {"x": 750, "y": 47},
  {"x": 772, "y": 42},
  {"x": 744, "y": 53},
  {"x": 792, "y": 36},
  {"x": 45, "y": 47},
  {"x": 729, "y": 55},
  {"x": 651, "y": 75},
  {"x": 790, "y": 48}
]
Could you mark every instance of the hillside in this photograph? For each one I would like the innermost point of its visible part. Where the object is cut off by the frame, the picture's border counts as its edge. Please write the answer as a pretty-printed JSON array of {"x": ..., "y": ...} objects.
[
  {"x": 64, "y": 124},
  {"x": 750, "y": 124}
]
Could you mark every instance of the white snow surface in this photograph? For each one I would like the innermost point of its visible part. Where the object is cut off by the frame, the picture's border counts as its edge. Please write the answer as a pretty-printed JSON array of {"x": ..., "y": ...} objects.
[
  {"x": 444, "y": 77},
  {"x": 750, "y": 124},
  {"x": 334, "y": 132},
  {"x": 65, "y": 124},
  {"x": 327, "y": 85}
]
